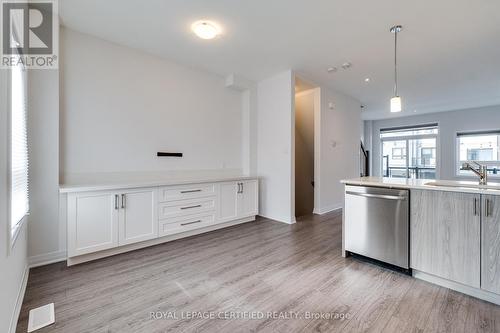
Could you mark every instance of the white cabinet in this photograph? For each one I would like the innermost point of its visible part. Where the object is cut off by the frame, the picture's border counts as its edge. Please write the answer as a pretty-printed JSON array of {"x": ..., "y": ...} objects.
[
  {"x": 186, "y": 223},
  {"x": 103, "y": 220},
  {"x": 186, "y": 207},
  {"x": 115, "y": 221},
  {"x": 248, "y": 198},
  {"x": 169, "y": 193},
  {"x": 92, "y": 222},
  {"x": 228, "y": 201},
  {"x": 238, "y": 200},
  {"x": 138, "y": 216}
]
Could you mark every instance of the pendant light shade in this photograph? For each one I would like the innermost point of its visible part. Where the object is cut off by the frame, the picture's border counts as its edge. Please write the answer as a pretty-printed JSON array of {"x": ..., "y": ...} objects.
[{"x": 396, "y": 103}]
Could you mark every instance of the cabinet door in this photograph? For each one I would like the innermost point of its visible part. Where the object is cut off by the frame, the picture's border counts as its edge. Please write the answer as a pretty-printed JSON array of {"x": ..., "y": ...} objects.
[
  {"x": 228, "y": 201},
  {"x": 445, "y": 235},
  {"x": 92, "y": 222},
  {"x": 248, "y": 198},
  {"x": 490, "y": 248},
  {"x": 138, "y": 216}
]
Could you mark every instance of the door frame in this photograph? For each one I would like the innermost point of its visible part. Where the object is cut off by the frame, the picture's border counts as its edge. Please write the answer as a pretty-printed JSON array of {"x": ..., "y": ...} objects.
[{"x": 317, "y": 145}]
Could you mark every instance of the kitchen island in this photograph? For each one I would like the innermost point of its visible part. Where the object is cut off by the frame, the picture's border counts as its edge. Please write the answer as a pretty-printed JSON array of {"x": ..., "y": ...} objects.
[{"x": 454, "y": 231}]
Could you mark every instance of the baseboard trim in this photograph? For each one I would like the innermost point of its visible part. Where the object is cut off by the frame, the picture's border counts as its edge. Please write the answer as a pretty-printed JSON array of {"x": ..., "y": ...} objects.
[
  {"x": 287, "y": 220},
  {"x": 471, "y": 291},
  {"x": 19, "y": 301},
  {"x": 46, "y": 258},
  {"x": 321, "y": 211}
]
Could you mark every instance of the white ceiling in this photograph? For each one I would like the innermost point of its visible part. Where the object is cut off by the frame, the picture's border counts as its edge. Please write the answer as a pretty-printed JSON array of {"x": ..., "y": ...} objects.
[{"x": 449, "y": 50}]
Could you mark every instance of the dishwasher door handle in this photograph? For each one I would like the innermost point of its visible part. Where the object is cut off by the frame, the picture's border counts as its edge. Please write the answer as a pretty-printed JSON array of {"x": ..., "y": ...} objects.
[{"x": 377, "y": 196}]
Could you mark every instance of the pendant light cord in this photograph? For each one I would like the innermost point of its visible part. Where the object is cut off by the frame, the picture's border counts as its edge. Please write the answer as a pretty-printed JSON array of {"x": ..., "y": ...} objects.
[{"x": 396, "y": 62}]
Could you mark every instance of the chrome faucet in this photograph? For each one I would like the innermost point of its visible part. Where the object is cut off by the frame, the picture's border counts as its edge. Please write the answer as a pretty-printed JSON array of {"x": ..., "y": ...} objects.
[{"x": 481, "y": 171}]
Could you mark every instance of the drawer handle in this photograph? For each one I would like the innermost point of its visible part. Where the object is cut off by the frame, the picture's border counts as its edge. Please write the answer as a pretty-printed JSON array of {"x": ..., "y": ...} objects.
[
  {"x": 190, "y": 191},
  {"x": 188, "y": 223},
  {"x": 190, "y": 207}
]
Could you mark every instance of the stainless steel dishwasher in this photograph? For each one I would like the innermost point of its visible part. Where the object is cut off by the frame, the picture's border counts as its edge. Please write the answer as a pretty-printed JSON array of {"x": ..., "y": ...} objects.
[{"x": 377, "y": 224}]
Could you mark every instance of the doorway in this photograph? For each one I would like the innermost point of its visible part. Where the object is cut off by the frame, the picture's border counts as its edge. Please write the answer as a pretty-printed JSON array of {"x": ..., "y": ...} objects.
[{"x": 304, "y": 147}]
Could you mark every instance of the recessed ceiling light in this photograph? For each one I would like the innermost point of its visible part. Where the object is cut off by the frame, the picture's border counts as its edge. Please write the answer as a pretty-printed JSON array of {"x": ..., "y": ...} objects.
[
  {"x": 346, "y": 65},
  {"x": 205, "y": 29},
  {"x": 367, "y": 80},
  {"x": 331, "y": 69}
]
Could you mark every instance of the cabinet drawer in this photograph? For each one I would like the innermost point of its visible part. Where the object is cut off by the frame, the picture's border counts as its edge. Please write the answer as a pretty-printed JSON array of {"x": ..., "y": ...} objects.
[
  {"x": 170, "y": 193},
  {"x": 181, "y": 224},
  {"x": 186, "y": 207}
]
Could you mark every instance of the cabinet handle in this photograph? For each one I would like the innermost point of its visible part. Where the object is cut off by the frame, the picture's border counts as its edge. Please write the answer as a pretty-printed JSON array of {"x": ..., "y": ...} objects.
[
  {"x": 188, "y": 223},
  {"x": 487, "y": 208},
  {"x": 475, "y": 206},
  {"x": 190, "y": 191},
  {"x": 242, "y": 187},
  {"x": 239, "y": 188},
  {"x": 123, "y": 200},
  {"x": 190, "y": 207},
  {"x": 116, "y": 201}
]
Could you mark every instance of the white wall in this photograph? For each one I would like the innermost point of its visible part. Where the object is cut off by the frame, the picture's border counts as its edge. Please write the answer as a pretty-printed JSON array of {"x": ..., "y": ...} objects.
[
  {"x": 275, "y": 147},
  {"x": 340, "y": 135},
  {"x": 47, "y": 240},
  {"x": 304, "y": 152},
  {"x": 110, "y": 110},
  {"x": 120, "y": 106},
  {"x": 450, "y": 123},
  {"x": 249, "y": 130},
  {"x": 13, "y": 263},
  {"x": 338, "y": 132}
]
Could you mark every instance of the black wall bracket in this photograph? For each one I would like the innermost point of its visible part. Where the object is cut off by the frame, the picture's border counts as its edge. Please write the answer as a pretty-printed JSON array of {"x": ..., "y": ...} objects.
[{"x": 161, "y": 154}]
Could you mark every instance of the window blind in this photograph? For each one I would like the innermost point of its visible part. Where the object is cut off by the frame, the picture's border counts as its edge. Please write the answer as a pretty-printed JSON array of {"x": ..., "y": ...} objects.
[
  {"x": 19, "y": 199},
  {"x": 478, "y": 133},
  {"x": 409, "y": 128}
]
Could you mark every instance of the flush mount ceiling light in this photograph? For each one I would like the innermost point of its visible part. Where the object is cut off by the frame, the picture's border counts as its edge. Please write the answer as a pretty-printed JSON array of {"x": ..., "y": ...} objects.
[
  {"x": 205, "y": 29},
  {"x": 331, "y": 69},
  {"x": 367, "y": 80},
  {"x": 396, "y": 99}
]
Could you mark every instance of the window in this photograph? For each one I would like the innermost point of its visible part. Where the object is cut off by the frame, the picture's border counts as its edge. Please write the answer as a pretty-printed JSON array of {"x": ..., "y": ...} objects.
[
  {"x": 409, "y": 152},
  {"x": 398, "y": 153},
  {"x": 482, "y": 147},
  {"x": 428, "y": 155},
  {"x": 19, "y": 203}
]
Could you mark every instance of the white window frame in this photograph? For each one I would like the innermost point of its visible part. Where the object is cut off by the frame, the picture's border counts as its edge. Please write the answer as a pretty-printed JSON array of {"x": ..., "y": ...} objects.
[
  {"x": 13, "y": 231},
  {"x": 458, "y": 163}
]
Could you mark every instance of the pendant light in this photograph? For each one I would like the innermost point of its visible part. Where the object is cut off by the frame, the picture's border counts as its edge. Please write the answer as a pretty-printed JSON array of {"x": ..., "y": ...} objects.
[{"x": 396, "y": 99}]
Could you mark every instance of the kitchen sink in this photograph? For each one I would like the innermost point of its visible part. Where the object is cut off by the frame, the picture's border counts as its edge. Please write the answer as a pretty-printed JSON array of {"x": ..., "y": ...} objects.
[{"x": 460, "y": 184}]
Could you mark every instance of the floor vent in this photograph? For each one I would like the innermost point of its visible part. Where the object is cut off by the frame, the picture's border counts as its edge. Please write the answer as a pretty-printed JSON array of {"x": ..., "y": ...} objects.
[{"x": 41, "y": 317}]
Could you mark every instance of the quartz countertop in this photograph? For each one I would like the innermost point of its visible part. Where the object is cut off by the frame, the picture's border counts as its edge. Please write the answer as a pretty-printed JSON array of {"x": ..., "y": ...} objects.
[
  {"x": 426, "y": 184},
  {"x": 121, "y": 180}
]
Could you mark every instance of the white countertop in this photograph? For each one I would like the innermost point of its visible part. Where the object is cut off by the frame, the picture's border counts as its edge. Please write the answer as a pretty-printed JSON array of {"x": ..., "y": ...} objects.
[
  {"x": 422, "y": 184},
  {"x": 121, "y": 180}
]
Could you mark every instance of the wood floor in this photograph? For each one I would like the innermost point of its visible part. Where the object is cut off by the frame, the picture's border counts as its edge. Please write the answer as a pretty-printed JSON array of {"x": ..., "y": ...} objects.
[{"x": 261, "y": 268}]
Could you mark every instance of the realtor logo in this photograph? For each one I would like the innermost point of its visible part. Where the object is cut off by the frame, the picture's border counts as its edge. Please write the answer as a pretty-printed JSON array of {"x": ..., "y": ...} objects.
[{"x": 29, "y": 33}]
